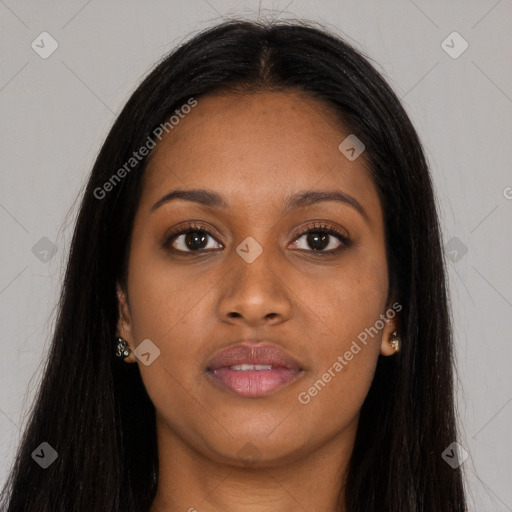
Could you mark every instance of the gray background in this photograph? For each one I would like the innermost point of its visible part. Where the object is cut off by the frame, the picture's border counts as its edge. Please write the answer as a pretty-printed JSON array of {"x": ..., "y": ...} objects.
[{"x": 57, "y": 111}]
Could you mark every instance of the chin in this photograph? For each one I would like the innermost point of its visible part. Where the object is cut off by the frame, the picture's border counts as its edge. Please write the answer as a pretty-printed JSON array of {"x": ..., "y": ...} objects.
[{"x": 252, "y": 450}]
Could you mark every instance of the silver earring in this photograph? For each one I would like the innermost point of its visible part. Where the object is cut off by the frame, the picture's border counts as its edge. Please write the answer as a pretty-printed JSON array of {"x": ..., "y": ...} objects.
[{"x": 122, "y": 349}]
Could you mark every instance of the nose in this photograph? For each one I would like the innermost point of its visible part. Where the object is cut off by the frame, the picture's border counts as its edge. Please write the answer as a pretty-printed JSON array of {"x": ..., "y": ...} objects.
[{"x": 255, "y": 293}]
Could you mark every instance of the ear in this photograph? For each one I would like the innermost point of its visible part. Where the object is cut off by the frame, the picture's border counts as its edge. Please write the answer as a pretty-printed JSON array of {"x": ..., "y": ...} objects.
[
  {"x": 392, "y": 324},
  {"x": 124, "y": 325}
]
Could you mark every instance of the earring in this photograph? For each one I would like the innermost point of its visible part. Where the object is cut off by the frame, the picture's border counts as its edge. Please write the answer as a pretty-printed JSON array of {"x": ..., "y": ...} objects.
[
  {"x": 395, "y": 341},
  {"x": 122, "y": 349}
]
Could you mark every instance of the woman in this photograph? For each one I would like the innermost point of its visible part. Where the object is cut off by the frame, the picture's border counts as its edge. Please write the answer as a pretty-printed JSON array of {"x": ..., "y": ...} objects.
[{"x": 254, "y": 315}]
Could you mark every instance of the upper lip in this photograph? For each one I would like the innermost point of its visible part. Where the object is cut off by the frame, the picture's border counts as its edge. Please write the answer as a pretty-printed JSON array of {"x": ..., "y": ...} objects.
[{"x": 249, "y": 352}]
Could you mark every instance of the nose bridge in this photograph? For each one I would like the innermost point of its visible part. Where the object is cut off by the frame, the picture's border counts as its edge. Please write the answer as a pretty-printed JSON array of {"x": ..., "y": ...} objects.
[
  {"x": 252, "y": 264},
  {"x": 255, "y": 289}
]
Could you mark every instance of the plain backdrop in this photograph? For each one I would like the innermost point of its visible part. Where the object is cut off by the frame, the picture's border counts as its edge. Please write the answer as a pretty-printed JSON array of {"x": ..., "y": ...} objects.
[{"x": 56, "y": 112}]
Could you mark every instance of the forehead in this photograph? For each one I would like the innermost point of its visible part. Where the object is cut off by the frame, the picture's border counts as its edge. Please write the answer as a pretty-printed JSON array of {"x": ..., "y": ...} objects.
[{"x": 255, "y": 149}]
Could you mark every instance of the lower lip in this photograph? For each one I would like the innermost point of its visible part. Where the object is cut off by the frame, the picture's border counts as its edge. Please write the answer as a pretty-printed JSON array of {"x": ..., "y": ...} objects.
[{"x": 254, "y": 383}]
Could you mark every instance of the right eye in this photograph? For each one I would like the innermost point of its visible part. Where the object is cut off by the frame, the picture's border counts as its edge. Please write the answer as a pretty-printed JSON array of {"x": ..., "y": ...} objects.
[{"x": 194, "y": 238}]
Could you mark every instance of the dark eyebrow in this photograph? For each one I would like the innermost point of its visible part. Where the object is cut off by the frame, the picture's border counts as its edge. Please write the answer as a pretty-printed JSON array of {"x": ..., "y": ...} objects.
[
  {"x": 297, "y": 200},
  {"x": 206, "y": 197},
  {"x": 308, "y": 197}
]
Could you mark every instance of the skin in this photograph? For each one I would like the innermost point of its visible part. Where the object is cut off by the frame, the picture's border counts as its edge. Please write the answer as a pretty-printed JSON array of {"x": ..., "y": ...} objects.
[{"x": 255, "y": 151}]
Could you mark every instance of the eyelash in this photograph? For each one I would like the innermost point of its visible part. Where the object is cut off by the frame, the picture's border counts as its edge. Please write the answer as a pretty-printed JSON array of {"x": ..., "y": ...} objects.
[{"x": 193, "y": 227}]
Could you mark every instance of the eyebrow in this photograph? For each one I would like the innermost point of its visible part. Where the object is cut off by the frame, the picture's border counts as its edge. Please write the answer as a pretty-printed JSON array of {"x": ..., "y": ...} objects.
[{"x": 295, "y": 201}]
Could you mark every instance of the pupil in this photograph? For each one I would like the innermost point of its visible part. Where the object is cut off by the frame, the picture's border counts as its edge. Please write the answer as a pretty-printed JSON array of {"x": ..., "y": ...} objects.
[
  {"x": 318, "y": 238},
  {"x": 195, "y": 239}
]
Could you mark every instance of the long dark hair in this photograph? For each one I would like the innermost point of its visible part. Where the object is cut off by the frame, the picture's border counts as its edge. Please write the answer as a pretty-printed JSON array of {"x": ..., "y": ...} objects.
[{"x": 94, "y": 411}]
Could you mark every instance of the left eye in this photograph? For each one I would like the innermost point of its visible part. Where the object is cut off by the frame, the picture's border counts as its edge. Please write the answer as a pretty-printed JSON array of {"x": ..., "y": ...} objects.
[{"x": 322, "y": 240}]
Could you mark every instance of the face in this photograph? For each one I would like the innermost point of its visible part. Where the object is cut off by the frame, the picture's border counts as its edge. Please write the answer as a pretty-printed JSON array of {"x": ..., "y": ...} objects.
[{"x": 294, "y": 283}]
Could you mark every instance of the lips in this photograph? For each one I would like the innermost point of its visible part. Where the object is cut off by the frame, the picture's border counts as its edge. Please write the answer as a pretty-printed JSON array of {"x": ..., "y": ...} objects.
[{"x": 253, "y": 370}]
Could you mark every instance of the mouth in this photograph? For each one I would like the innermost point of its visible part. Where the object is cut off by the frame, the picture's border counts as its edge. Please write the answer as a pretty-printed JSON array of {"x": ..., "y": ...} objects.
[{"x": 253, "y": 370}]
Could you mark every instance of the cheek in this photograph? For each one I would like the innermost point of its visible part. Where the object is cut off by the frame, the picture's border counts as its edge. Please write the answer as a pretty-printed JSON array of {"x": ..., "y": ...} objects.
[
  {"x": 348, "y": 306},
  {"x": 172, "y": 315},
  {"x": 169, "y": 312},
  {"x": 164, "y": 295},
  {"x": 347, "y": 298}
]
